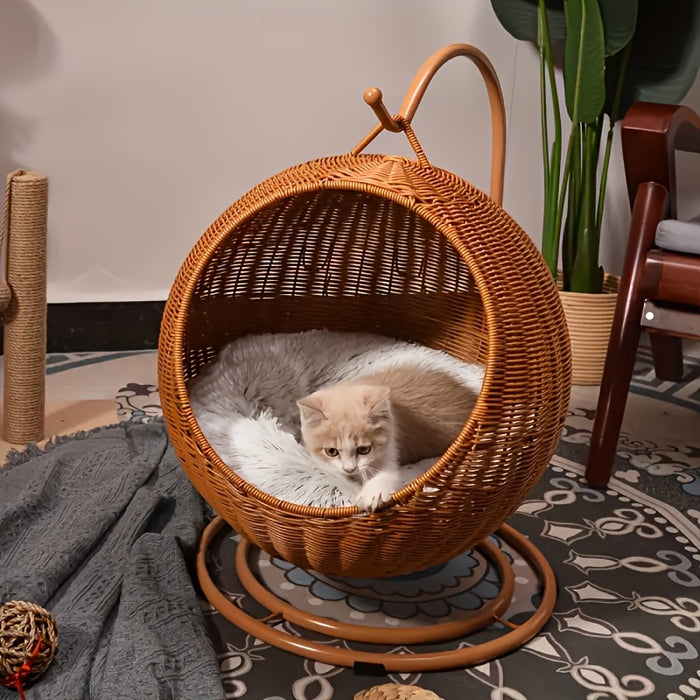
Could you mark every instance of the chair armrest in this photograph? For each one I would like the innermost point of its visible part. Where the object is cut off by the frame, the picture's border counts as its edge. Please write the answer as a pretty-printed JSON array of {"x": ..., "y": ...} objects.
[{"x": 651, "y": 134}]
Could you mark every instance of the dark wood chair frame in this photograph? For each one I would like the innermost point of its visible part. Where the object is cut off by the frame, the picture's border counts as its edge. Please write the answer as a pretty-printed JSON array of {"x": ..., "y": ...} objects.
[{"x": 659, "y": 289}]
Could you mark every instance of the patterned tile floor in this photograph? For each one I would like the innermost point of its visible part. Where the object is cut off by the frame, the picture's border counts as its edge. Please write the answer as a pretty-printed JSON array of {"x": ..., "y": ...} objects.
[{"x": 658, "y": 456}]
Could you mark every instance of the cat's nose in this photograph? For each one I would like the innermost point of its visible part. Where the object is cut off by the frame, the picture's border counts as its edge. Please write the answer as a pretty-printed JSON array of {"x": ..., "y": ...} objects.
[{"x": 348, "y": 468}]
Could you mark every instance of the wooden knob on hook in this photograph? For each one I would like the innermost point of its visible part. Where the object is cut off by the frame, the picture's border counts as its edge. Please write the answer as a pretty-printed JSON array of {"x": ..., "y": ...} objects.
[{"x": 373, "y": 97}]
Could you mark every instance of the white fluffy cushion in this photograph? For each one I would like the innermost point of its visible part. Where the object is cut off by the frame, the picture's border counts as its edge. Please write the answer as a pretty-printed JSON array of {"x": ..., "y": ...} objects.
[{"x": 245, "y": 404}]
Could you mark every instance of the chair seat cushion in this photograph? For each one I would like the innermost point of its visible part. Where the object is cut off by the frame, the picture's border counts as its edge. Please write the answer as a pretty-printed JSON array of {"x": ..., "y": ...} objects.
[{"x": 679, "y": 236}]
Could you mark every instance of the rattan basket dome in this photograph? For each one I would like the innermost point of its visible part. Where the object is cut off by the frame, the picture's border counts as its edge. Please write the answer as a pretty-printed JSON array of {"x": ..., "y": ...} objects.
[{"x": 391, "y": 245}]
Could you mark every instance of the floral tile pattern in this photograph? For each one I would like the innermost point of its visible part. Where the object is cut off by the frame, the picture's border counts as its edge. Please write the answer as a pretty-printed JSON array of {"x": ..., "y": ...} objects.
[{"x": 138, "y": 402}]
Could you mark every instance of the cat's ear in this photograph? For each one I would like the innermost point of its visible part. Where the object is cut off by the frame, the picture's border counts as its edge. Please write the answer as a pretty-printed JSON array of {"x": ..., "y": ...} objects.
[
  {"x": 377, "y": 400},
  {"x": 311, "y": 409}
]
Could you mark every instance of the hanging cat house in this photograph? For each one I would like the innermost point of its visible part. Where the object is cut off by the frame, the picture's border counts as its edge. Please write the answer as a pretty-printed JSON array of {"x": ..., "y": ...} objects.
[{"x": 400, "y": 247}]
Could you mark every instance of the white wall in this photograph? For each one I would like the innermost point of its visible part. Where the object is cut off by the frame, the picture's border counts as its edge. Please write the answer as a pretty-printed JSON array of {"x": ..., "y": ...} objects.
[{"x": 151, "y": 116}]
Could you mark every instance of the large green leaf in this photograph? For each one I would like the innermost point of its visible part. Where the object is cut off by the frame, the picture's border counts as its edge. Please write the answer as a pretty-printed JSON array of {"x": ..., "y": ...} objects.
[
  {"x": 584, "y": 60},
  {"x": 665, "y": 52},
  {"x": 619, "y": 22},
  {"x": 519, "y": 18}
]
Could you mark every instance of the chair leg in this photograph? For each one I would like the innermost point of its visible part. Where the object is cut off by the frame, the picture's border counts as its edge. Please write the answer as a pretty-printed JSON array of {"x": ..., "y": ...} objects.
[
  {"x": 612, "y": 398},
  {"x": 649, "y": 207},
  {"x": 667, "y": 351}
]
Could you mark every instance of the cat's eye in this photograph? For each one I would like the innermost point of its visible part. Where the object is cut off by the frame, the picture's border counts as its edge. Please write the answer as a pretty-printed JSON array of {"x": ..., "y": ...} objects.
[
  {"x": 364, "y": 449},
  {"x": 331, "y": 451}
]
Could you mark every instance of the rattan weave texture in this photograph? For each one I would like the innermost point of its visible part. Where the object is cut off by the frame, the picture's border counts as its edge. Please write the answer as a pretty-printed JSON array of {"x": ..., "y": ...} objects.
[{"x": 400, "y": 247}]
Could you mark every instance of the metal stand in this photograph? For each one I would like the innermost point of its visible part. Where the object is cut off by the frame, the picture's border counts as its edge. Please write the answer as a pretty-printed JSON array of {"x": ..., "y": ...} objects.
[{"x": 391, "y": 662}]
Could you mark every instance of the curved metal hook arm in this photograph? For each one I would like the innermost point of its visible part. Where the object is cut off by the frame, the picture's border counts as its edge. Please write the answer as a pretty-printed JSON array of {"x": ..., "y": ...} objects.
[{"x": 373, "y": 97}]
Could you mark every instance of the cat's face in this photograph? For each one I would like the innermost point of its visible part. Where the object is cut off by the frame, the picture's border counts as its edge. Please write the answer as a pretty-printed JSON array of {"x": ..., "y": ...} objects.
[{"x": 349, "y": 427}]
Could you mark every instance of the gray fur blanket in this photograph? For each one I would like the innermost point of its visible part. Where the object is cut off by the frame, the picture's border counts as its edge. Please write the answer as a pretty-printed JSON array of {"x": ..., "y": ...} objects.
[{"x": 100, "y": 529}]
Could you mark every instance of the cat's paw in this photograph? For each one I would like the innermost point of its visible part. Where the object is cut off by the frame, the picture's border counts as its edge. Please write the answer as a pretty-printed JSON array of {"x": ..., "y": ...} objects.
[
  {"x": 371, "y": 501},
  {"x": 376, "y": 492}
]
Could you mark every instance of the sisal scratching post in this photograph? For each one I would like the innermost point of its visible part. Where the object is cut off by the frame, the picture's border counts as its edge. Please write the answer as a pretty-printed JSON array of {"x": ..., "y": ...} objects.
[{"x": 24, "y": 317}]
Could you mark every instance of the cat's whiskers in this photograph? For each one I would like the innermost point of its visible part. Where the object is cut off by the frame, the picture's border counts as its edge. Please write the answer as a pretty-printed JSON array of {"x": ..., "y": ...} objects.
[{"x": 366, "y": 473}]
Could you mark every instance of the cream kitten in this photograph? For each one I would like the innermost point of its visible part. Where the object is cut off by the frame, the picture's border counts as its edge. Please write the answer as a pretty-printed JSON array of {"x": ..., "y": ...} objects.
[{"x": 368, "y": 426}]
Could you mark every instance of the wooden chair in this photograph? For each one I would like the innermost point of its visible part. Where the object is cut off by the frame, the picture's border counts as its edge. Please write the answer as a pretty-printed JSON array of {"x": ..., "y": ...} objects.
[{"x": 660, "y": 284}]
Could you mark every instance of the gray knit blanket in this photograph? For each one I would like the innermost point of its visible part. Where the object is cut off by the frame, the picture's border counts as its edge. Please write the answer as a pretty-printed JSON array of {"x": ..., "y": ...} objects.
[{"x": 101, "y": 529}]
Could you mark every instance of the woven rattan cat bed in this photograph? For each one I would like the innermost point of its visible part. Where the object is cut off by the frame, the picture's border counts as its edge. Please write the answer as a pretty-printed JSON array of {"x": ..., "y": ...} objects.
[{"x": 390, "y": 245}]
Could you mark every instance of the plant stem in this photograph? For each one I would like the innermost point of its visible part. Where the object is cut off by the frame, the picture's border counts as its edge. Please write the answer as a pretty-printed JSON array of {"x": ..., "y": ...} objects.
[
  {"x": 604, "y": 177},
  {"x": 591, "y": 136},
  {"x": 564, "y": 183},
  {"x": 573, "y": 170},
  {"x": 591, "y": 143},
  {"x": 552, "y": 162},
  {"x": 543, "y": 98},
  {"x": 614, "y": 116}
]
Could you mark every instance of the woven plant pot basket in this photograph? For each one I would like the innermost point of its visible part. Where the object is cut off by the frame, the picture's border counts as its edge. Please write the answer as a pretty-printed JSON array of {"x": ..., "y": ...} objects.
[
  {"x": 589, "y": 319},
  {"x": 389, "y": 245}
]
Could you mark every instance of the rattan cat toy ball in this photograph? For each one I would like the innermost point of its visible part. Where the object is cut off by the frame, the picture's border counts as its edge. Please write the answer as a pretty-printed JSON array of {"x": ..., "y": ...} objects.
[
  {"x": 28, "y": 643},
  {"x": 392, "y": 691}
]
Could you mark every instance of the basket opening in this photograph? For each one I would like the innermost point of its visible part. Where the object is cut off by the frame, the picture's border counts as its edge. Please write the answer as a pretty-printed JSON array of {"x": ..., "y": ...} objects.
[{"x": 341, "y": 259}]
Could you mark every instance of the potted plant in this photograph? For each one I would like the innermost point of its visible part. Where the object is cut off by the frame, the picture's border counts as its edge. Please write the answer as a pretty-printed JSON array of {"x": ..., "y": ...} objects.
[{"x": 614, "y": 52}]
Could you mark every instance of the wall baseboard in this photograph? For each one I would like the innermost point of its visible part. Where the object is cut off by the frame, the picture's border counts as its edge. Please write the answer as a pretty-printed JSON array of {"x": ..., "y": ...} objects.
[{"x": 103, "y": 326}]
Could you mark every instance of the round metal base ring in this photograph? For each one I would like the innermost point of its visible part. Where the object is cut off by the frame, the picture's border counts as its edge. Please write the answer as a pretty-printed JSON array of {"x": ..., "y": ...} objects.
[{"x": 391, "y": 662}]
